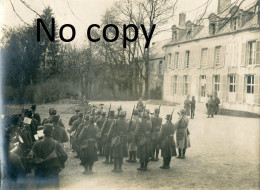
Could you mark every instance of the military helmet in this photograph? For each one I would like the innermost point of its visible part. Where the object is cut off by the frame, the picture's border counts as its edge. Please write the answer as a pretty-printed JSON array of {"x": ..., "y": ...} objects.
[
  {"x": 55, "y": 118},
  {"x": 156, "y": 110},
  {"x": 53, "y": 112},
  {"x": 33, "y": 107},
  {"x": 145, "y": 115},
  {"x": 168, "y": 117},
  {"x": 80, "y": 114},
  {"x": 103, "y": 113},
  {"x": 77, "y": 109},
  {"x": 99, "y": 111},
  {"x": 182, "y": 112}
]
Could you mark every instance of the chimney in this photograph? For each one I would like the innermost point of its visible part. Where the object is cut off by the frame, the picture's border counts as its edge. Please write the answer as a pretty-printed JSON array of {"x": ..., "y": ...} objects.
[
  {"x": 223, "y": 4},
  {"x": 182, "y": 19}
]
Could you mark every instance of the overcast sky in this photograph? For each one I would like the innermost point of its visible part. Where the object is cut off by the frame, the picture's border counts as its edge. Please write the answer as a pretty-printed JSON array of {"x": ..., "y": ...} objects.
[{"x": 82, "y": 13}]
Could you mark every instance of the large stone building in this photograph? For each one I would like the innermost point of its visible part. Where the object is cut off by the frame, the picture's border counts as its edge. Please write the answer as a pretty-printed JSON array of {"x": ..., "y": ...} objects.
[{"x": 220, "y": 56}]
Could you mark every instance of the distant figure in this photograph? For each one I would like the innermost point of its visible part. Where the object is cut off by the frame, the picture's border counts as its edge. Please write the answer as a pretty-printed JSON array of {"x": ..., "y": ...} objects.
[
  {"x": 49, "y": 158},
  {"x": 216, "y": 104},
  {"x": 140, "y": 104},
  {"x": 59, "y": 132},
  {"x": 192, "y": 107},
  {"x": 156, "y": 126},
  {"x": 74, "y": 117},
  {"x": 35, "y": 115},
  {"x": 182, "y": 134},
  {"x": 211, "y": 104},
  {"x": 187, "y": 105}
]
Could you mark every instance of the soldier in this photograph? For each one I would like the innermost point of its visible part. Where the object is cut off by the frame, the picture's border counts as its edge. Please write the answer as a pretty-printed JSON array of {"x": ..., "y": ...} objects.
[
  {"x": 132, "y": 147},
  {"x": 117, "y": 133},
  {"x": 211, "y": 104},
  {"x": 74, "y": 117},
  {"x": 140, "y": 111},
  {"x": 97, "y": 116},
  {"x": 100, "y": 123},
  {"x": 187, "y": 105},
  {"x": 73, "y": 128},
  {"x": 88, "y": 146},
  {"x": 182, "y": 134},
  {"x": 156, "y": 126},
  {"x": 35, "y": 115},
  {"x": 101, "y": 106},
  {"x": 166, "y": 138},
  {"x": 107, "y": 142},
  {"x": 49, "y": 157},
  {"x": 143, "y": 136},
  {"x": 192, "y": 107},
  {"x": 59, "y": 133},
  {"x": 140, "y": 104},
  {"x": 216, "y": 104},
  {"x": 48, "y": 119}
]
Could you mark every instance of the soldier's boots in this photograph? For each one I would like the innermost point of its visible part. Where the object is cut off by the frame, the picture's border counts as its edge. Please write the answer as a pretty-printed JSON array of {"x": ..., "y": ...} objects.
[
  {"x": 141, "y": 166},
  {"x": 115, "y": 165},
  {"x": 130, "y": 157},
  {"x": 107, "y": 160},
  {"x": 145, "y": 166},
  {"x": 120, "y": 163}
]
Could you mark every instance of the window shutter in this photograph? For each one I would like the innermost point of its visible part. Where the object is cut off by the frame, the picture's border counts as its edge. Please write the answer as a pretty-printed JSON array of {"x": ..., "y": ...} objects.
[
  {"x": 257, "y": 58},
  {"x": 243, "y": 55},
  {"x": 224, "y": 87},
  {"x": 198, "y": 86},
  {"x": 179, "y": 91},
  {"x": 211, "y": 61},
  {"x": 222, "y": 56},
  {"x": 189, "y": 85},
  {"x": 209, "y": 84},
  {"x": 239, "y": 89},
  {"x": 257, "y": 90},
  {"x": 200, "y": 59},
  {"x": 172, "y": 61},
  {"x": 181, "y": 64}
]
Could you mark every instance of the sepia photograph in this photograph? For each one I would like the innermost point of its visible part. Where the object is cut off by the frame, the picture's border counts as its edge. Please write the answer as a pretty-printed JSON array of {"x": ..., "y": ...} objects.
[{"x": 130, "y": 94}]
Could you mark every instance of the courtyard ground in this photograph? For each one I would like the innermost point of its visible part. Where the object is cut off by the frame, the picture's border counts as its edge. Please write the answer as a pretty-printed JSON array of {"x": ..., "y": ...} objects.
[{"x": 224, "y": 154}]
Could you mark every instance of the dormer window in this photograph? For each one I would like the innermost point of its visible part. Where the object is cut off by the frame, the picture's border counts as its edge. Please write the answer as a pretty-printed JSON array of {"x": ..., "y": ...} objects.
[
  {"x": 188, "y": 35},
  {"x": 212, "y": 28},
  {"x": 174, "y": 35},
  {"x": 235, "y": 23}
]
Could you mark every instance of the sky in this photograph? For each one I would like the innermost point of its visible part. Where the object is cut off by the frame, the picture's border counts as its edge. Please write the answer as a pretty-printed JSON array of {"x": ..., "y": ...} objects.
[{"x": 82, "y": 13}]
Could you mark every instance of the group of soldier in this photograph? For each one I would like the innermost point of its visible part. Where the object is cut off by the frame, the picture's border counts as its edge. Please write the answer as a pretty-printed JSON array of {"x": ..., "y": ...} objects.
[
  {"x": 92, "y": 130},
  {"x": 115, "y": 137}
]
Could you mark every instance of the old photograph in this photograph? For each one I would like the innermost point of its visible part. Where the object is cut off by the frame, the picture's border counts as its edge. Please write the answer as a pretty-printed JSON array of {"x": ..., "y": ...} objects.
[{"x": 130, "y": 94}]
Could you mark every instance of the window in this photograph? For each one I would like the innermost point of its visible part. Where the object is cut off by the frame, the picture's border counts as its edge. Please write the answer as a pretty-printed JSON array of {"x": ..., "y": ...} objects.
[
  {"x": 217, "y": 56},
  {"x": 174, "y": 36},
  {"x": 175, "y": 80},
  {"x": 212, "y": 29},
  {"x": 169, "y": 60},
  {"x": 188, "y": 35},
  {"x": 235, "y": 23},
  {"x": 251, "y": 52},
  {"x": 232, "y": 83},
  {"x": 160, "y": 67},
  {"x": 176, "y": 60},
  {"x": 216, "y": 83},
  {"x": 250, "y": 84},
  {"x": 187, "y": 59},
  {"x": 204, "y": 57},
  {"x": 186, "y": 84},
  {"x": 203, "y": 86}
]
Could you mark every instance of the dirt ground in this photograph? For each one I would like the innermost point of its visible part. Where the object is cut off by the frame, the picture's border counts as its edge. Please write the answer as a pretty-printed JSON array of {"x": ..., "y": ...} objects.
[{"x": 224, "y": 154}]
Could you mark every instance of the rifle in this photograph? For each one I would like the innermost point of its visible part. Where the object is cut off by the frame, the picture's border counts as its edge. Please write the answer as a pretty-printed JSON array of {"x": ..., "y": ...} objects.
[
  {"x": 159, "y": 108},
  {"x": 171, "y": 114},
  {"x": 108, "y": 111},
  {"x": 130, "y": 123}
]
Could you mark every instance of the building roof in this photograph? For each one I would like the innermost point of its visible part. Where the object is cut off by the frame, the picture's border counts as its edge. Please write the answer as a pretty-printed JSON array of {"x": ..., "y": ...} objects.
[
  {"x": 156, "y": 51},
  {"x": 249, "y": 19}
]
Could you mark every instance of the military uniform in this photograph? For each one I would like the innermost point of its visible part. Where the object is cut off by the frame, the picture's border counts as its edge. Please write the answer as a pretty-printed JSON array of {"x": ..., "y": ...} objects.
[
  {"x": 156, "y": 126},
  {"x": 216, "y": 105},
  {"x": 211, "y": 104},
  {"x": 132, "y": 146},
  {"x": 100, "y": 123},
  {"x": 118, "y": 134},
  {"x": 107, "y": 142},
  {"x": 143, "y": 136},
  {"x": 167, "y": 143},
  {"x": 88, "y": 146},
  {"x": 193, "y": 105},
  {"x": 49, "y": 157},
  {"x": 59, "y": 133},
  {"x": 182, "y": 134},
  {"x": 187, "y": 106}
]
